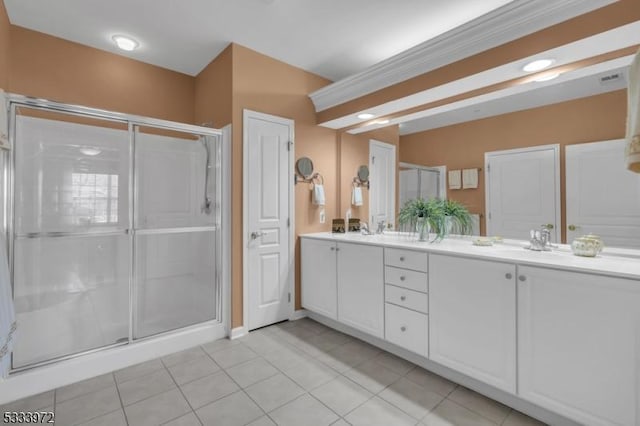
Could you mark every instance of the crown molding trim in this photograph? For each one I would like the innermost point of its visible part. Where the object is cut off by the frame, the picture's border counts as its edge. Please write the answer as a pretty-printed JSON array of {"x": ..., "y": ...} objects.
[{"x": 507, "y": 23}]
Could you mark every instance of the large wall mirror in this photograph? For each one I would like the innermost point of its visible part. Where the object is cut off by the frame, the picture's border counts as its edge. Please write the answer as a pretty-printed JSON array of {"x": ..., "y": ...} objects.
[{"x": 583, "y": 117}]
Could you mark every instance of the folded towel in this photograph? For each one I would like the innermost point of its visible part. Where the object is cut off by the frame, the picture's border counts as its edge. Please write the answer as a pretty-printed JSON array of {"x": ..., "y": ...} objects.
[
  {"x": 318, "y": 194},
  {"x": 455, "y": 179},
  {"x": 469, "y": 178},
  {"x": 632, "y": 151},
  {"x": 4, "y": 122},
  {"x": 356, "y": 196},
  {"x": 7, "y": 313}
]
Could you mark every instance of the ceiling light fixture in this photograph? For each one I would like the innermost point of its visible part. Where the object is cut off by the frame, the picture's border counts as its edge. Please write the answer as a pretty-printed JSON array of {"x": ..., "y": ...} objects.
[
  {"x": 385, "y": 121},
  {"x": 125, "y": 43},
  {"x": 90, "y": 151},
  {"x": 538, "y": 65},
  {"x": 547, "y": 77},
  {"x": 365, "y": 116}
]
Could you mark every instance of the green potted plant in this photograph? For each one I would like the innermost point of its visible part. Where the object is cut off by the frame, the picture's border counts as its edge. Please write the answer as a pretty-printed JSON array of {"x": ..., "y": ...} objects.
[
  {"x": 457, "y": 218},
  {"x": 421, "y": 216}
]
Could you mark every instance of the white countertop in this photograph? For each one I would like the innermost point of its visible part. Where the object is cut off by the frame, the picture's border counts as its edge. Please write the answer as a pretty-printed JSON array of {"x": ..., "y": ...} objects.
[{"x": 624, "y": 263}]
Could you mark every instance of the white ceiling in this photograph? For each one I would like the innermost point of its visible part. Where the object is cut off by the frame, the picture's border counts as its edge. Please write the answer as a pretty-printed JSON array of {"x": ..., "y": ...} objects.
[{"x": 332, "y": 38}]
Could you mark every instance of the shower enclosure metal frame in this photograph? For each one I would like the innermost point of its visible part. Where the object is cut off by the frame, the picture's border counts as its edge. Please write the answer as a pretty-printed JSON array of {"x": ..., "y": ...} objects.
[{"x": 132, "y": 122}]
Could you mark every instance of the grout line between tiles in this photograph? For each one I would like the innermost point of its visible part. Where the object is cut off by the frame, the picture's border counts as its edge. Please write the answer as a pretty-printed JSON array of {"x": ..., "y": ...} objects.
[
  {"x": 183, "y": 395},
  {"x": 126, "y": 419}
]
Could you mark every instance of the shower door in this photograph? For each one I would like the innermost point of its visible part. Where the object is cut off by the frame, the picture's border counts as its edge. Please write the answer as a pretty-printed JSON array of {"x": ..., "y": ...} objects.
[
  {"x": 71, "y": 250},
  {"x": 176, "y": 217}
]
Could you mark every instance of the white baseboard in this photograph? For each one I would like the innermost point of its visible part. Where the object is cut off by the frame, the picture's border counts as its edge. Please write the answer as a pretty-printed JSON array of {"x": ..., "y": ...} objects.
[
  {"x": 41, "y": 379},
  {"x": 299, "y": 314},
  {"x": 238, "y": 332}
]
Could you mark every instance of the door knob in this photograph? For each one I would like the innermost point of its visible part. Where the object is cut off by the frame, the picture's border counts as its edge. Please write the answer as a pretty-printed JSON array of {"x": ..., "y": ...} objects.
[
  {"x": 508, "y": 275},
  {"x": 573, "y": 227},
  {"x": 257, "y": 234}
]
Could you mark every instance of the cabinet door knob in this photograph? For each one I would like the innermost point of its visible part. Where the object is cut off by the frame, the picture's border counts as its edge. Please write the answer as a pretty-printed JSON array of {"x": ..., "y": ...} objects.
[
  {"x": 403, "y": 328},
  {"x": 403, "y": 298},
  {"x": 401, "y": 258},
  {"x": 508, "y": 275},
  {"x": 522, "y": 278},
  {"x": 402, "y": 278},
  {"x": 337, "y": 248},
  {"x": 333, "y": 248}
]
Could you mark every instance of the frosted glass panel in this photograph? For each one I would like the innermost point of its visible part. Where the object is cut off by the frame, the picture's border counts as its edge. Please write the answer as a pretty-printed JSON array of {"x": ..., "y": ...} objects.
[
  {"x": 176, "y": 281},
  {"x": 429, "y": 184},
  {"x": 71, "y": 295},
  {"x": 171, "y": 174},
  {"x": 70, "y": 177}
]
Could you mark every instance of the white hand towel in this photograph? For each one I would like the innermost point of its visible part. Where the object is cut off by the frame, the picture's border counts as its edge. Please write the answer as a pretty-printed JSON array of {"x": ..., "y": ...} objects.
[
  {"x": 454, "y": 179},
  {"x": 7, "y": 313},
  {"x": 4, "y": 121},
  {"x": 469, "y": 178},
  {"x": 318, "y": 194},
  {"x": 632, "y": 151},
  {"x": 356, "y": 196}
]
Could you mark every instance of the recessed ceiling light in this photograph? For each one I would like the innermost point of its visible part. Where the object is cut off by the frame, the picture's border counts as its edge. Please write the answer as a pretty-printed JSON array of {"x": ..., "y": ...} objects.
[
  {"x": 125, "y": 43},
  {"x": 385, "y": 121},
  {"x": 547, "y": 76},
  {"x": 90, "y": 151},
  {"x": 538, "y": 65},
  {"x": 365, "y": 116}
]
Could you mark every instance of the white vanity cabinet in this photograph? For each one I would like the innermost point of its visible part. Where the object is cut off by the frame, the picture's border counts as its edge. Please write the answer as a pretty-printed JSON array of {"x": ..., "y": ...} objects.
[
  {"x": 579, "y": 345},
  {"x": 344, "y": 282},
  {"x": 472, "y": 318},
  {"x": 361, "y": 287},
  {"x": 319, "y": 272}
]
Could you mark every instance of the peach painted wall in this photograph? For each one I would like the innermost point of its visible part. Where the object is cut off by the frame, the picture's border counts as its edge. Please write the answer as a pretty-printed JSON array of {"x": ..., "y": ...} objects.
[
  {"x": 213, "y": 91},
  {"x": 463, "y": 145},
  {"x": 48, "y": 67},
  {"x": 263, "y": 84},
  {"x": 5, "y": 31}
]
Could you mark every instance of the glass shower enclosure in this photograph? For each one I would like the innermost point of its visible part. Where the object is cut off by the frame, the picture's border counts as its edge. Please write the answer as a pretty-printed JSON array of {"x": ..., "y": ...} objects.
[{"x": 113, "y": 225}]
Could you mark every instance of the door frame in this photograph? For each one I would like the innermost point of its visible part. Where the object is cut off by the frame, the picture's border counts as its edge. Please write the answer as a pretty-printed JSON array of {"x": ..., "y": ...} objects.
[
  {"x": 374, "y": 142},
  {"x": 246, "y": 115},
  {"x": 557, "y": 232}
]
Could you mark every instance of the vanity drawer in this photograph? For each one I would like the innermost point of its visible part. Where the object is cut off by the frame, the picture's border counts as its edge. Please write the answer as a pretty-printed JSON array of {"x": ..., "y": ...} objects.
[
  {"x": 415, "y": 260},
  {"x": 406, "y": 298},
  {"x": 406, "y": 278},
  {"x": 406, "y": 328}
]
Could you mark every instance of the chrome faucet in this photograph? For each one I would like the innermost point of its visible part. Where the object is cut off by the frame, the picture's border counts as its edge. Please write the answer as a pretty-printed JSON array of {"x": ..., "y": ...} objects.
[
  {"x": 381, "y": 226},
  {"x": 364, "y": 228},
  {"x": 540, "y": 240}
]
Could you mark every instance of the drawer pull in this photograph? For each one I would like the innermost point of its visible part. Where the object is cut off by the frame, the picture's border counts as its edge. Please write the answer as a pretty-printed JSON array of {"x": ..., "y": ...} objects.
[
  {"x": 401, "y": 258},
  {"x": 402, "y": 278},
  {"x": 403, "y": 328},
  {"x": 508, "y": 275},
  {"x": 522, "y": 278},
  {"x": 403, "y": 298}
]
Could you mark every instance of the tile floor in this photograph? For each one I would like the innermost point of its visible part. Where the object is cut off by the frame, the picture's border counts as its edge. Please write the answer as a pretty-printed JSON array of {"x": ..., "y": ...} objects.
[{"x": 293, "y": 373}]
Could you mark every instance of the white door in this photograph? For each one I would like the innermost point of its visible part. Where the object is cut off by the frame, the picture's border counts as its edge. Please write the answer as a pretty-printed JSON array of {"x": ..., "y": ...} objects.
[
  {"x": 523, "y": 191},
  {"x": 472, "y": 318},
  {"x": 603, "y": 197},
  {"x": 382, "y": 178},
  {"x": 267, "y": 196}
]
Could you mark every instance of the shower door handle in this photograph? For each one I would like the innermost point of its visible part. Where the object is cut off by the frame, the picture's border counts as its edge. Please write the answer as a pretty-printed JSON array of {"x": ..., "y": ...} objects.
[{"x": 257, "y": 234}]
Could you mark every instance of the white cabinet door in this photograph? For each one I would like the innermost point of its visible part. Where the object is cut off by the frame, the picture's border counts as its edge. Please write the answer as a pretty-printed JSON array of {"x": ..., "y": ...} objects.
[
  {"x": 579, "y": 345},
  {"x": 318, "y": 263},
  {"x": 472, "y": 318},
  {"x": 361, "y": 287}
]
